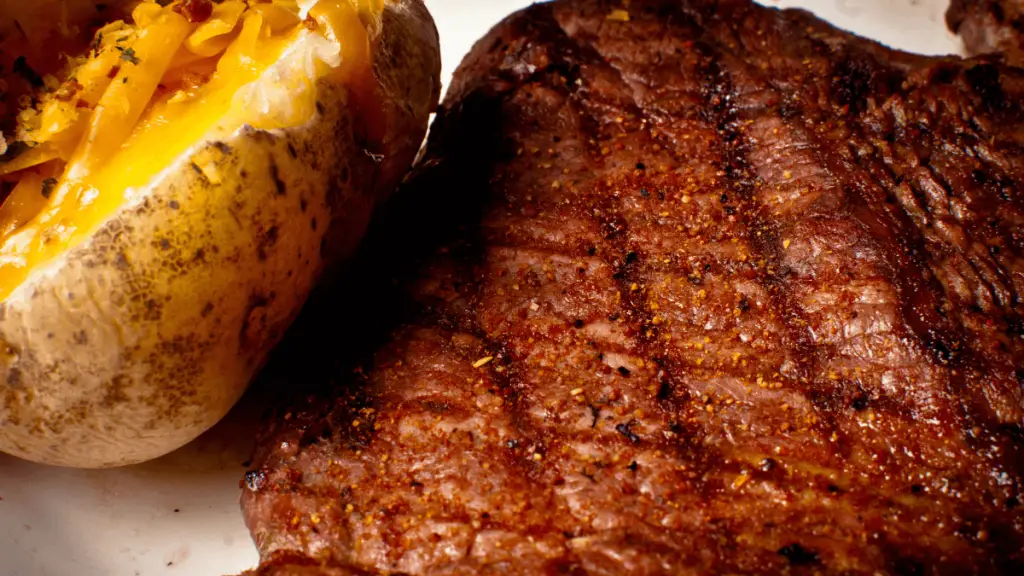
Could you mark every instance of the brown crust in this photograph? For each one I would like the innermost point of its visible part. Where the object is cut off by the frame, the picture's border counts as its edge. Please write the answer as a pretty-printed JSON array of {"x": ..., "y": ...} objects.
[{"x": 720, "y": 290}]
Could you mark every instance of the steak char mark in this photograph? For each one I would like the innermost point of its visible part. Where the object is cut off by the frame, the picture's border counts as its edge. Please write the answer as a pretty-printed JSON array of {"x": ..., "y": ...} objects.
[{"x": 710, "y": 288}]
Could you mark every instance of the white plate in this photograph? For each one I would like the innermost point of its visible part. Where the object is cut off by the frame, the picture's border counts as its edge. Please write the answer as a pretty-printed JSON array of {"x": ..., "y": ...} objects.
[{"x": 180, "y": 515}]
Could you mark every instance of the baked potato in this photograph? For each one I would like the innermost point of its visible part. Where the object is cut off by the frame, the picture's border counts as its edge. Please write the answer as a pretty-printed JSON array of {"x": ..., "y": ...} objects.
[{"x": 177, "y": 175}]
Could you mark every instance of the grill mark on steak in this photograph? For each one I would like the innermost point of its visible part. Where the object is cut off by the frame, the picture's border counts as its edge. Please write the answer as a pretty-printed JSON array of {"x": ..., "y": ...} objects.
[{"x": 565, "y": 454}]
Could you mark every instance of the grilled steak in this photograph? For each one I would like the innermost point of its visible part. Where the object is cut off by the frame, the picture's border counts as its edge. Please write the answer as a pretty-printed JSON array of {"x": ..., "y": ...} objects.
[
  {"x": 714, "y": 288},
  {"x": 990, "y": 26}
]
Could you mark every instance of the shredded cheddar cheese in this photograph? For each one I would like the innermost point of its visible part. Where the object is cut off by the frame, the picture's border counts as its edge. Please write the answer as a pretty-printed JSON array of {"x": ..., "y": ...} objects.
[{"x": 148, "y": 90}]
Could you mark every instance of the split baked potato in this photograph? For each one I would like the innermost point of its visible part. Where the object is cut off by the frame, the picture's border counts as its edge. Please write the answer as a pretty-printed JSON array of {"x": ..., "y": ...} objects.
[{"x": 177, "y": 175}]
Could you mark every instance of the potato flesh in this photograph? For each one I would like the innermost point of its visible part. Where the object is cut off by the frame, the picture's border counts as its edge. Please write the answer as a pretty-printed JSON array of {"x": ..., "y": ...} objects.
[{"x": 159, "y": 86}]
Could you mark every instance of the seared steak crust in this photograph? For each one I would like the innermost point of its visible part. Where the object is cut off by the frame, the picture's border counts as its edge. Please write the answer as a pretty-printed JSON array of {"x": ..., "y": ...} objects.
[
  {"x": 724, "y": 290},
  {"x": 989, "y": 26}
]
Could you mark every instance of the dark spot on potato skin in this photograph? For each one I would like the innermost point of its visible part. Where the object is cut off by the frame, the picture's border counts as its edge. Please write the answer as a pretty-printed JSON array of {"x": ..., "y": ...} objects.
[
  {"x": 14, "y": 378},
  {"x": 115, "y": 391},
  {"x": 121, "y": 261},
  {"x": 303, "y": 204},
  {"x": 81, "y": 338},
  {"x": 291, "y": 151},
  {"x": 174, "y": 204},
  {"x": 154, "y": 310},
  {"x": 223, "y": 147},
  {"x": 165, "y": 244},
  {"x": 267, "y": 241},
  {"x": 312, "y": 224},
  {"x": 207, "y": 310},
  {"x": 320, "y": 108},
  {"x": 255, "y": 315},
  {"x": 177, "y": 364},
  {"x": 275, "y": 176}
]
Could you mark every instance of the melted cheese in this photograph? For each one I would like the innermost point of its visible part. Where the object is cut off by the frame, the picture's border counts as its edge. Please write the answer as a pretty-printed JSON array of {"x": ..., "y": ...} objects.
[{"x": 265, "y": 76}]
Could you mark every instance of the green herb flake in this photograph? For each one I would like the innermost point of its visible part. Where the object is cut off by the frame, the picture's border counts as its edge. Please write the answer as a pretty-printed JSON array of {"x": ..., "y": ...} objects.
[{"x": 128, "y": 55}]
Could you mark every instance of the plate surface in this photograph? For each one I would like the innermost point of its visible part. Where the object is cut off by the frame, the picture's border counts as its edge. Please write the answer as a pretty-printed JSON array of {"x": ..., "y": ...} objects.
[{"x": 180, "y": 515}]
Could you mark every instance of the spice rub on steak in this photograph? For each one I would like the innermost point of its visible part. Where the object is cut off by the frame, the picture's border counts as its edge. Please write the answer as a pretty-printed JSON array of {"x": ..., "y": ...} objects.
[{"x": 718, "y": 289}]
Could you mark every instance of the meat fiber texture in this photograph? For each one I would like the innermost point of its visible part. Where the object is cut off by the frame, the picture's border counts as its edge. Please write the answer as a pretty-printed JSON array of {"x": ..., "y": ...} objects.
[{"x": 679, "y": 287}]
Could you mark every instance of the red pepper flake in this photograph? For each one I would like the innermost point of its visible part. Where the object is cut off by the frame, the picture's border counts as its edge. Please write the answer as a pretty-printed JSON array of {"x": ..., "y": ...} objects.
[{"x": 195, "y": 11}]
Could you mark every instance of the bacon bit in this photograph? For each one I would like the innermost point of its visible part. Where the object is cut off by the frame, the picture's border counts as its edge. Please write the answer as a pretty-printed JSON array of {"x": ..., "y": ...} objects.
[
  {"x": 537, "y": 456},
  {"x": 785, "y": 244},
  {"x": 356, "y": 423},
  {"x": 740, "y": 481},
  {"x": 787, "y": 174},
  {"x": 314, "y": 518},
  {"x": 349, "y": 508},
  {"x": 576, "y": 391},
  {"x": 618, "y": 15},
  {"x": 483, "y": 362},
  {"x": 195, "y": 11}
]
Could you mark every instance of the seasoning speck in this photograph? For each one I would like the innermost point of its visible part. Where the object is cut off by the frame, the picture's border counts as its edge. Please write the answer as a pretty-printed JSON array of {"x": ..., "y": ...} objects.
[
  {"x": 483, "y": 362},
  {"x": 618, "y": 15},
  {"x": 128, "y": 55}
]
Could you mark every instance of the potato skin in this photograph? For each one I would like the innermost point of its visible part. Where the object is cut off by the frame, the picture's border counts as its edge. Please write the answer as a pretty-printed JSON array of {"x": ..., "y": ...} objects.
[{"x": 141, "y": 338}]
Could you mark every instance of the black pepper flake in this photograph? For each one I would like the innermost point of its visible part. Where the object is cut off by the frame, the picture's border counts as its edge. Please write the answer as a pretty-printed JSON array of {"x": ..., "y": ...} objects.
[
  {"x": 626, "y": 431},
  {"x": 724, "y": 199},
  {"x": 577, "y": 324},
  {"x": 633, "y": 466},
  {"x": 730, "y": 210},
  {"x": 798, "y": 555},
  {"x": 1012, "y": 502},
  {"x": 631, "y": 257},
  {"x": 48, "y": 185},
  {"x": 644, "y": 192},
  {"x": 916, "y": 488},
  {"x": 623, "y": 371},
  {"x": 664, "y": 390},
  {"x": 767, "y": 464},
  {"x": 641, "y": 166},
  {"x": 511, "y": 444},
  {"x": 744, "y": 305}
]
